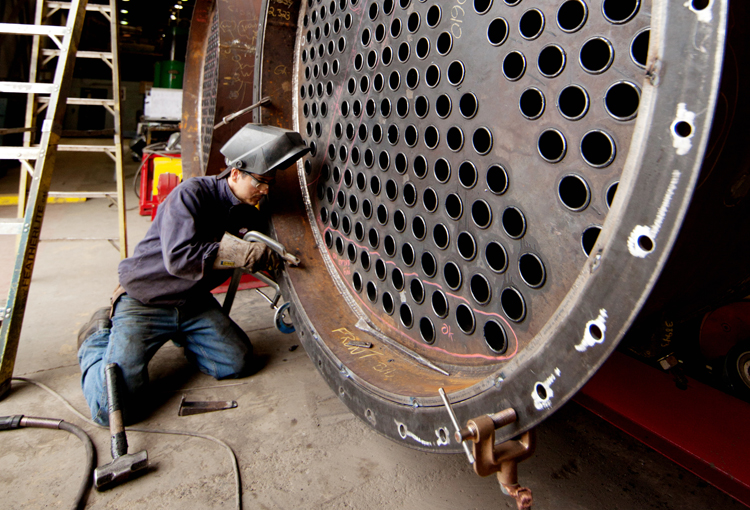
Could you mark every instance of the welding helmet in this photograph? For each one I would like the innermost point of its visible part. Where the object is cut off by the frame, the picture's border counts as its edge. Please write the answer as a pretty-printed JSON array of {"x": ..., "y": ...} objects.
[{"x": 261, "y": 149}]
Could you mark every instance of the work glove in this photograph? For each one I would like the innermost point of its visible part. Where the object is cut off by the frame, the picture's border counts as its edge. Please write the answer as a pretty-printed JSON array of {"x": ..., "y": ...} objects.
[
  {"x": 274, "y": 264},
  {"x": 236, "y": 253}
]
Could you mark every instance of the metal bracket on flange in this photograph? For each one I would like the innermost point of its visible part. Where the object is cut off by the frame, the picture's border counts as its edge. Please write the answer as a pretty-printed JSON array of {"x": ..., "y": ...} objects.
[{"x": 502, "y": 458}]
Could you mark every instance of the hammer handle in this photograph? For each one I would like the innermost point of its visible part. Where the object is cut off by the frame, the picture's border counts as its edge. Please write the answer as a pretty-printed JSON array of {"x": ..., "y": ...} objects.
[{"x": 116, "y": 426}]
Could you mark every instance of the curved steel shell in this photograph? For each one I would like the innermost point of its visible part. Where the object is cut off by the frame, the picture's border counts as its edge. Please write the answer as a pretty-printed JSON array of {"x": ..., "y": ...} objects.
[{"x": 494, "y": 190}]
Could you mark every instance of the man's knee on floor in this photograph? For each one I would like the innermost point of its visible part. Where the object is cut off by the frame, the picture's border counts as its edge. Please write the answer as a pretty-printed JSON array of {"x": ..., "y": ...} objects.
[{"x": 236, "y": 367}]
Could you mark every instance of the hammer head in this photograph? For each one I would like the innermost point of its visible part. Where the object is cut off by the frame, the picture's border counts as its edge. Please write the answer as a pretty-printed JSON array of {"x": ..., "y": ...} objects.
[{"x": 119, "y": 470}]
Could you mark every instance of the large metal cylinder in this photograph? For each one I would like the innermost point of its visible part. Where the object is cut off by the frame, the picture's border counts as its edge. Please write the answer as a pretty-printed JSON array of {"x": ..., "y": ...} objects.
[{"x": 494, "y": 189}]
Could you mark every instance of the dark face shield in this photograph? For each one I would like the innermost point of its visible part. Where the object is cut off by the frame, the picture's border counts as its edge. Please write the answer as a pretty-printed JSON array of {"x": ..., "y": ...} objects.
[{"x": 263, "y": 149}]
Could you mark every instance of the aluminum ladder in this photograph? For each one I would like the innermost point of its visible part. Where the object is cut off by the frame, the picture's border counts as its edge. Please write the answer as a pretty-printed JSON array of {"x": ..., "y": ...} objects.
[
  {"x": 29, "y": 226},
  {"x": 36, "y": 104}
]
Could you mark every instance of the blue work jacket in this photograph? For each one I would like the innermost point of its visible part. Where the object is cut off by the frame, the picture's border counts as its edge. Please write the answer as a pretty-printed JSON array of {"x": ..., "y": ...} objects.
[{"x": 174, "y": 262}]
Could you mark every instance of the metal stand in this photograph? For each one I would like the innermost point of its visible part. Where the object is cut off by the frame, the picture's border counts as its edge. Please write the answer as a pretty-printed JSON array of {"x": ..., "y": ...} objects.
[{"x": 29, "y": 226}]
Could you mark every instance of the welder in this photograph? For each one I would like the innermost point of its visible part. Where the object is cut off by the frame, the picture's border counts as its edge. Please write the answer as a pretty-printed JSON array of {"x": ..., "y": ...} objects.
[{"x": 164, "y": 288}]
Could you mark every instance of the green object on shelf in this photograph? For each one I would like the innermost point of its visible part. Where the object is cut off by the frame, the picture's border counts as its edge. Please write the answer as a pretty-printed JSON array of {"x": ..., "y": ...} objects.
[{"x": 168, "y": 74}]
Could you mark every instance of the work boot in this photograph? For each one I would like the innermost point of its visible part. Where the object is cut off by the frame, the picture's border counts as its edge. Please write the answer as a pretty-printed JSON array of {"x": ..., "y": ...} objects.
[{"x": 99, "y": 320}]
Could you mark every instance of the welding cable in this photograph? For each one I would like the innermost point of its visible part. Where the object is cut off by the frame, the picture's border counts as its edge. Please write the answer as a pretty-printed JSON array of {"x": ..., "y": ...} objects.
[
  {"x": 20, "y": 421},
  {"x": 233, "y": 457}
]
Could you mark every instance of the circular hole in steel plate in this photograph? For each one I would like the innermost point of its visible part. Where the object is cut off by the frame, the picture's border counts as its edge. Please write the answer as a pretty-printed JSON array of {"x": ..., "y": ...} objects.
[
  {"x": 467, "y": 174},
  {"x": 482, "y": 141},
  {"x": 430, "y": 200},
  {"x": 551, "y": 61},
  {"x": 573, "y": 102},
  {"x": 452, "y": 275},
  {"x": 380, "y": 269},
  {"x": 433, "y": 16},
  {"x": 597, "y": 55},
  {"x": 412, "y": 78},
  {"x": 443, "y": 106},
  {"x": 622, "y": 99},
  {"x": 420, "y": 167},
  {"x": 439, "y": 304},
  {"x": 407, "y": 318},
  {"x": 391, "y": 189},
  {"x": 418, "y": 228},
  {"x": 481, "y": 214},
  {"x": 456, "y": 72},
  {"x": 397, "y": 279},
  {"x": 453, "y": 206},
  {"x": 482, "y": 6},
  {"x": 532, "y": 103},
  {"x": 572, "y": 15},
  {"x": 381, "y": 213},
  {"x": 442, "y": 170},
  {"x": 532, "y": 270},
  {"x": 422, "y": 49},
  {"x": 552, "y": 145},
  {"x": 513, "y": 304},
  {"x": 402, "y": 163},
  {"x": 388, "y": 304},
  {"x": 407, "y": 254},
  {"x": 410, "y": 194},
  {"x": 372, "y": 292},
  {"x": 480, "y": 288},
  {"x": 429, "y": 264},
  {"x": 389, "y": 244},
  {"x": 598, "y": 148},
  {"x": 496, "y": 257},
  {"x": 444, "y": 43},
  {"x": 588, "y": 239},
  {"x": 639, "y": 48},
  {"x": 620, "y": 11},
  {"x": 495, "y": 336},
  {"x": 497, "y": 31},
  {"x": 611, "y": 192},
  {"x": 466, "y": 246},
  {"x": 468, "y": 105},
  {"x": 514, "y": 223},
  {"x": 431, "y": 137},
  {"x": 531, "y": 24},
  {"x": 399, "y": 220},
  {"x": 574, "y": 192},
  {"x": 441, "y": 236},
  {"x": 465, "y": 319},
  {"x": 427, "y": 330},
  {"x": 416, "y": 289}
]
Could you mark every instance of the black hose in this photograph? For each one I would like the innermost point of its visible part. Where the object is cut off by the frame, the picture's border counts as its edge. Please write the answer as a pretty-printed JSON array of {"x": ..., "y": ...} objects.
[
  {"x": 20, "y": 421},
  {"x": 83, "y": 489},
  {"x": 137, "y": 182}
]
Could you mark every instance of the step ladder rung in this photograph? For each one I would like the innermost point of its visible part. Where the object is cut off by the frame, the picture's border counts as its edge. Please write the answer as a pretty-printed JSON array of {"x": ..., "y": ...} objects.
[
  {"x": 89, "y": 7},
  {"x": 11, "y": 226},
  {"x": 20, "y": 87},
  {"x": 86, "y": 148},
  {"x": 80, "y": 54},
  {"x": 84, "y": 101},
  {"x": 26, "y": 29},
  {"x": 82, "y": 194},
  {"x": 19, "y": 152}
]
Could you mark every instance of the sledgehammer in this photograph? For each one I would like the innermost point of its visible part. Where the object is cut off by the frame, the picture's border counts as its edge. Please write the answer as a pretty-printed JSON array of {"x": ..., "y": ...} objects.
[{"x": 123, "y": 465}]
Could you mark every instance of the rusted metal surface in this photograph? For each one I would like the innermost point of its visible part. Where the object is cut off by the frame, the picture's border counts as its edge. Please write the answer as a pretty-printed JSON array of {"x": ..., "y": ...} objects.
[
  {"x": 219, "y": 78},
  {"x": 380, "y": 367},
  {"x": 541, "y": 307},
  {"x": 277, "y": 61}
]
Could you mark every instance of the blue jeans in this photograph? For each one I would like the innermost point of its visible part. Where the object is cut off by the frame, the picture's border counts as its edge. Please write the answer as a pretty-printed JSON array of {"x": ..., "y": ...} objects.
[{"x": 211, "y": 340}]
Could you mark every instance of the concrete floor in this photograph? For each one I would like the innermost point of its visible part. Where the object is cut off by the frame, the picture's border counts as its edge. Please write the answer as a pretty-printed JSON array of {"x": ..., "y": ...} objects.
[{"x": 297, "y": 444}]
